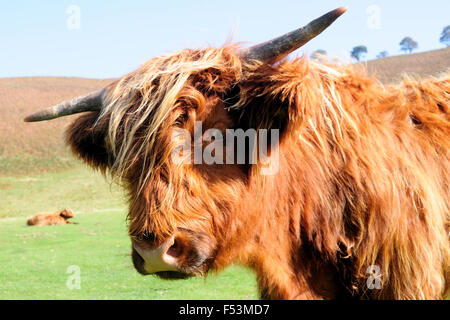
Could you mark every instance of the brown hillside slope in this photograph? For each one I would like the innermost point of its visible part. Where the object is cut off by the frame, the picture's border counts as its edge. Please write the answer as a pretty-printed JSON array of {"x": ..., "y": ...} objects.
[
  {"x": 36, "y": 146},
  {"x": 31, "y": 147},
  {"x": 392, "y": 69}
]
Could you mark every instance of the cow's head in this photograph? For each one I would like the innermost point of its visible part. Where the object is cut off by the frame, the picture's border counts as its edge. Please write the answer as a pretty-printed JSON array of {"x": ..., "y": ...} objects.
[
  {"x": 67, "y": 213},
  {"x": 184, "y": 216}
]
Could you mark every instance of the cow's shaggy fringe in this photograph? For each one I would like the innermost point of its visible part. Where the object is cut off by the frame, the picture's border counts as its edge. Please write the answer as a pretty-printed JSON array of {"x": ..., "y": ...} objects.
[
  {"x": 144, "y": 107},
  {"x": 363, "y": 174},
  {"x": 143, "y": 101}
]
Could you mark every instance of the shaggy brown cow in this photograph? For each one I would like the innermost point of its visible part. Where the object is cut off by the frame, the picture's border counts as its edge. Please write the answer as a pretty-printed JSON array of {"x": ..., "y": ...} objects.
[
  {"x": 55, "y": 218},
  {"x": 357, "y": 207}
]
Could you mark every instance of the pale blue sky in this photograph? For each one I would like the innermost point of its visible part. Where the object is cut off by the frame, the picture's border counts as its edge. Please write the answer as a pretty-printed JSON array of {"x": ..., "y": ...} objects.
[{"x": 115, "y": 37}]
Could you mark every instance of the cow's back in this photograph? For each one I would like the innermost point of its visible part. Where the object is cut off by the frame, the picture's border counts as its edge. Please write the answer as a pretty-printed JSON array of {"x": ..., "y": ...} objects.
[{"x": 44, "y": 219}]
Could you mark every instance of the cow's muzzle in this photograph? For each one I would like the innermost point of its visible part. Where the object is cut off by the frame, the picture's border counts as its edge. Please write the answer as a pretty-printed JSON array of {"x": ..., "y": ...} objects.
[
  {"x": 153, "y": 260},
  {"x": 185, "y": 254}
]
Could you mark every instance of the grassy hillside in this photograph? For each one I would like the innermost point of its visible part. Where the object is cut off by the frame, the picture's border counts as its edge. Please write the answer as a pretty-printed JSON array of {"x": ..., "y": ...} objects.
[{"x": 391, "y": 69}]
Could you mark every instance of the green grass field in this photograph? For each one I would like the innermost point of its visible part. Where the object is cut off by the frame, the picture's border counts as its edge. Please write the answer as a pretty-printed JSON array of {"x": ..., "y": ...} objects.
[{"x": 34, "y": 260}]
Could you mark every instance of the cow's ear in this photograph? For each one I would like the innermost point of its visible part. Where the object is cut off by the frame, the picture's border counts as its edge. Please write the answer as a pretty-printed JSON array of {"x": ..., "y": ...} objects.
[
  {"x": 86, "y": 138},
  {"x": 66, "y": 213}
]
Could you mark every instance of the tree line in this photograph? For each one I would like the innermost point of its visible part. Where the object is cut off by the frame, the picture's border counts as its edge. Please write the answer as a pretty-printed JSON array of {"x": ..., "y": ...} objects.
[{"x": 408, "y": 45}]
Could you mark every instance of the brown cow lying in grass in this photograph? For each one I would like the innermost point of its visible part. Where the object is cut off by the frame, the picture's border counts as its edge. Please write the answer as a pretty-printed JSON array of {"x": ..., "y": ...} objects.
[{"x": 55, "y": 218}]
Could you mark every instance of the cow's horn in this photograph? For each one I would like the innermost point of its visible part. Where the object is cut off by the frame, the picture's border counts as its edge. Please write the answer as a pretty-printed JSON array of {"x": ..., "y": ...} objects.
[
  {"x": 90, "y": 102},
  {"x": 278, "y": 48}
]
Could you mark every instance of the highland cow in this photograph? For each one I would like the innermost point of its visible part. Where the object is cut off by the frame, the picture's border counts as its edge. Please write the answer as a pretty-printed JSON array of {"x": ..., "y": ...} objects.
[
  {"x": 55, "y": 218},
  {"x": 357, "y": 208}
]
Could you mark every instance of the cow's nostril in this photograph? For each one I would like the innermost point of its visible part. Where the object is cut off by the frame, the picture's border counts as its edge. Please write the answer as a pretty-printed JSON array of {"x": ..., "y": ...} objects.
[
  {"x": 149, "y": 260},
  {"x": 176, "y": 249}
]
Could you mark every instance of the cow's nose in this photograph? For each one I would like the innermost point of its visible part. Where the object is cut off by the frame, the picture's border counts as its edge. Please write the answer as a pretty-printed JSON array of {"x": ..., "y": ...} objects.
[{"x": 159, "y": 259}]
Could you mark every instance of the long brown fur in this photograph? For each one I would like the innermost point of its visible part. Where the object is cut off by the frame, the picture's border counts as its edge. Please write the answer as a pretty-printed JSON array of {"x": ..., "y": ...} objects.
[{"x": 362, "y": 180}]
